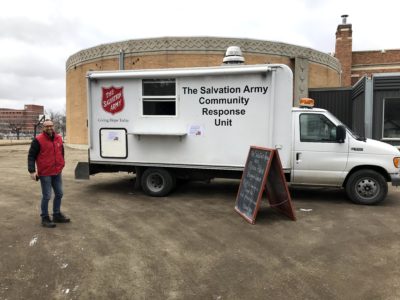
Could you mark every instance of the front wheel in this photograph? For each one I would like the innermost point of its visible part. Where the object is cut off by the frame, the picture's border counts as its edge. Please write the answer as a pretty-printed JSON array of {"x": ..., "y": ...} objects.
[
  {"x": 366, "y": 187},
  {"x": 157, "y": 182}
]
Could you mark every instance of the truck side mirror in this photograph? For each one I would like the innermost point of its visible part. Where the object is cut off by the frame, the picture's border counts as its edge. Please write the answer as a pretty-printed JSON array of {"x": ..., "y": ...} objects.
[{"x": 340, "y": 134}]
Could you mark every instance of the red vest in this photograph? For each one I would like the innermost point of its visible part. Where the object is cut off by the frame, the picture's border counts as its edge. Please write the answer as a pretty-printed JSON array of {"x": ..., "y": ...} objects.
[{"x": 50, "y": 160}]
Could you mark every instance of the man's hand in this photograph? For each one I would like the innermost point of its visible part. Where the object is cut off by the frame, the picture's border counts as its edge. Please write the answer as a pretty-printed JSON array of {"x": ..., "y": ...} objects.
[{"x": 33, "y": 175}]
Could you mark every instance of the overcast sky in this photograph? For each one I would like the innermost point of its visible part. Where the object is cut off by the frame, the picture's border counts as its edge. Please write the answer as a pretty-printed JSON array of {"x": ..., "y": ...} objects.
[{"x": 37, "y": 37}]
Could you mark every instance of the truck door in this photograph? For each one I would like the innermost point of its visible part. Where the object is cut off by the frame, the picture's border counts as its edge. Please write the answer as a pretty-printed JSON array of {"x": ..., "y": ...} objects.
[{"x": 318, "y": 158}]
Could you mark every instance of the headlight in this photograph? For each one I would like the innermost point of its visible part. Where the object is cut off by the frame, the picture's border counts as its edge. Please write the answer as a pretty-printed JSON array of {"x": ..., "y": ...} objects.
[{"x": 396, "y": 162}]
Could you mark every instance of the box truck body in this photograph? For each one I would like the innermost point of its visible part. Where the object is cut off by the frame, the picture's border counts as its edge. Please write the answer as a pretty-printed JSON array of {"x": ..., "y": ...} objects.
[{"x": 200, "y": 122}]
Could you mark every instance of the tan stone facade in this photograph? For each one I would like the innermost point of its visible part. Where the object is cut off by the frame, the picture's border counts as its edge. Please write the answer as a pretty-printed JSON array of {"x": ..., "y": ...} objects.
[{"x": 322, "y": 70}]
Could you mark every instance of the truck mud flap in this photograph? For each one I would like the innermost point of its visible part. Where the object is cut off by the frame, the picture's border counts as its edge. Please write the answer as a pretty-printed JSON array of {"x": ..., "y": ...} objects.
[{"x": 82, "y": 171}]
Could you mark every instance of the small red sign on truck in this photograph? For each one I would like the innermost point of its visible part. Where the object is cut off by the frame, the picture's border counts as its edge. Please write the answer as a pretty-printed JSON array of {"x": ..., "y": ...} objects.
[{"x": 112, "y": 99}]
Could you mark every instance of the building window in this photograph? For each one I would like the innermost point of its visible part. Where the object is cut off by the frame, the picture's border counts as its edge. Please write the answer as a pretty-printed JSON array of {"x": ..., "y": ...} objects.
[
  {"x": 316, "y": 128},
  {"x": 391, "y": 118},
  {"x": 159, "y": 97}
]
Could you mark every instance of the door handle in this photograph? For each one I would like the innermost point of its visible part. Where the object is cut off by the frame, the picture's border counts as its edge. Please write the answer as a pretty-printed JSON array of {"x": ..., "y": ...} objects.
[{"x": 298, "y": 155}]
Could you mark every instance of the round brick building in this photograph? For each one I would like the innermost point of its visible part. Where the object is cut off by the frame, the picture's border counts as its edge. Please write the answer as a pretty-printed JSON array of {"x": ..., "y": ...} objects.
[{"x": 311, "y": 68}]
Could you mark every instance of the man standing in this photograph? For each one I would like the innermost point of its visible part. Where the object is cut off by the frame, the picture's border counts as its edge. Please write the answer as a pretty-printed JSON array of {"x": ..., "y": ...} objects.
[{"x": 47, "y": 151}]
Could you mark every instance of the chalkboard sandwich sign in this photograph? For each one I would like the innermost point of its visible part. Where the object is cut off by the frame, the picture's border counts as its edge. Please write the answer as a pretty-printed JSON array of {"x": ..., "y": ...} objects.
[{"x": 263, "y": 172}]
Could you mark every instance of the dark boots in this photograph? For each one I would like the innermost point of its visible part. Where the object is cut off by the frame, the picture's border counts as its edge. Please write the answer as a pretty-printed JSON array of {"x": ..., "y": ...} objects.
[
  {"x": 57, "y": 218},
  {"x": 60, "y": 218},
  {"x": 47, "y": 222}
]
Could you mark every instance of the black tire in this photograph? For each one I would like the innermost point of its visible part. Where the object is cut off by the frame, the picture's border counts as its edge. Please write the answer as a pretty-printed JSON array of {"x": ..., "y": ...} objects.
[
  {"x": 366, "y": 187},
  {"x": 157, "y": 182}
]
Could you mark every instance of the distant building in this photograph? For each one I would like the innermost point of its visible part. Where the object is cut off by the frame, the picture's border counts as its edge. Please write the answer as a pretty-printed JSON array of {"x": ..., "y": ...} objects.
[
  {"x": 357, "y": 64},
  {"x": 23, "y": 120}
]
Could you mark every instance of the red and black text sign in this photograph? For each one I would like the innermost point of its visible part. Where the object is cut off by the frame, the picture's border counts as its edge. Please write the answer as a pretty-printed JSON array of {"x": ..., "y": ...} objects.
[
  {"x": 112, "y": 99},
  {"x": 263, "y": 172}
]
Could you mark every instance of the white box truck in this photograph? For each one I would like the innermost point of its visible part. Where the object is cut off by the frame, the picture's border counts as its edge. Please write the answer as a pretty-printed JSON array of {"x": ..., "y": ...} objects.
[{"x": 198, "y": 123}]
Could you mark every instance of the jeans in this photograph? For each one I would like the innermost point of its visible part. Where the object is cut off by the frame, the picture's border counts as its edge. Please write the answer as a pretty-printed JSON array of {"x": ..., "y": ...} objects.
[{"x": 47, "y": 183}]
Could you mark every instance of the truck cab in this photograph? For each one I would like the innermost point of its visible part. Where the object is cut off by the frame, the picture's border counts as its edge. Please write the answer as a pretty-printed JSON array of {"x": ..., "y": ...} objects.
[{"x": 327, "y": 153}]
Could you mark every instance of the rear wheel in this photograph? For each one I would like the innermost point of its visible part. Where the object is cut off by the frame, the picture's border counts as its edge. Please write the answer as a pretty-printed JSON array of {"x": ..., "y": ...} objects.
[
  {"x": 366, "y": 187},
  {"x": 157, "y": 182}
]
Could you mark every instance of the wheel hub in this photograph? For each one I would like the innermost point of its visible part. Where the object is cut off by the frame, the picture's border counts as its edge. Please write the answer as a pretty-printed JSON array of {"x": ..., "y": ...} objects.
[
  {"x": 155, "y": 182},
  {"x": 367, "y": 188}
]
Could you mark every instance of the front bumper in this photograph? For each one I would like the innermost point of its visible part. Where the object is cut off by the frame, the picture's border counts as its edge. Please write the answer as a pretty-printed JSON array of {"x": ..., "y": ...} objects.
[{"x": 395, "y": 178}]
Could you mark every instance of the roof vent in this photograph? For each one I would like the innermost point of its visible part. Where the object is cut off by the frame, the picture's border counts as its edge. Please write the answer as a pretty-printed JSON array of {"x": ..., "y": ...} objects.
[{"x": 233, "y": 55}]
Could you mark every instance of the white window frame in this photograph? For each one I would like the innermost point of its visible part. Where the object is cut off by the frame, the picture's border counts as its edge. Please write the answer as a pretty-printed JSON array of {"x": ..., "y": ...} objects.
[{"x": 155, "y": 98}]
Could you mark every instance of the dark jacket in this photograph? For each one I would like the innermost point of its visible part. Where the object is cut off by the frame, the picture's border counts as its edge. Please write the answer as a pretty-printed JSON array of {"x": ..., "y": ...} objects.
[{"x": 48, "y": 153}]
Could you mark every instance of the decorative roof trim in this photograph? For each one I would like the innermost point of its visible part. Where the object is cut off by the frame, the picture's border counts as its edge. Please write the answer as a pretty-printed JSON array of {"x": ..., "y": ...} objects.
[{"x": 249, "y": 46}]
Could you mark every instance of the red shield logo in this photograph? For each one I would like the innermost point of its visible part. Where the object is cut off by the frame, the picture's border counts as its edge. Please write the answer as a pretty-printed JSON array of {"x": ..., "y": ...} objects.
[{"x": 112, "y": 100}]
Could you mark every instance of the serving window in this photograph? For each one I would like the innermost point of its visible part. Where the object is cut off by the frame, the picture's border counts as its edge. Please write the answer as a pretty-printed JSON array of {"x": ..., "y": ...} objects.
[{"x": 159, "y": 97}]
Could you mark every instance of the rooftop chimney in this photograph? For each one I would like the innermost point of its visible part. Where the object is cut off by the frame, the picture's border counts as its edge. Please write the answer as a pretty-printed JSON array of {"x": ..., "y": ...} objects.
[
  {"x": 343, "y": 49},
  {"x": 344, "y": 19}
]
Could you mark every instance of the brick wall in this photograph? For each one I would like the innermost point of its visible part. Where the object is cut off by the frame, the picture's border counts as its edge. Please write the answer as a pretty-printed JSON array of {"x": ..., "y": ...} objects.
[
  {"x": 366, "y": 63},
  {"x": 376, "y": 57}
]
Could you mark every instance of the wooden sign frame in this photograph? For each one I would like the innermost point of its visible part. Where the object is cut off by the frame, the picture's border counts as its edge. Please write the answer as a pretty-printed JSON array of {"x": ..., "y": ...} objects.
[
  {"x": 279, "y": 198},
  {"x": 263, "y": 172}
]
